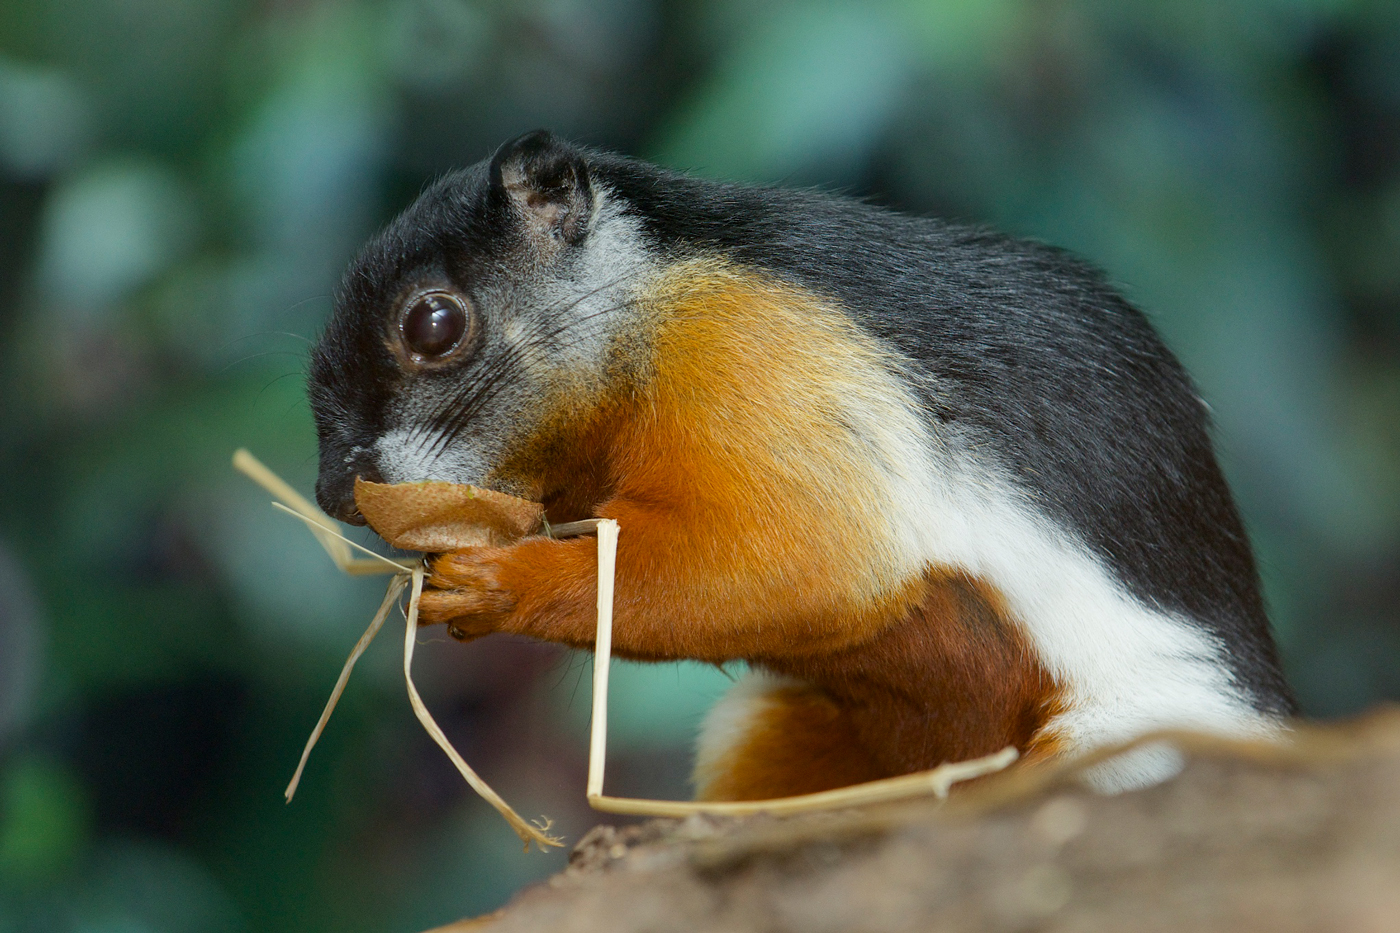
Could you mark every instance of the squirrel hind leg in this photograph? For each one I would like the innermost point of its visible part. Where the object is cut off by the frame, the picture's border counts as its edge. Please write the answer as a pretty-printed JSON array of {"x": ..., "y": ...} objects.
[{"x": 772, "y": 736}]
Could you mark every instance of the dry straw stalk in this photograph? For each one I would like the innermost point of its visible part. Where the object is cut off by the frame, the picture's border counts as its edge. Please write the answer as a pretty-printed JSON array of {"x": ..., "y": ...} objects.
[{"x": 935, "y": 782}]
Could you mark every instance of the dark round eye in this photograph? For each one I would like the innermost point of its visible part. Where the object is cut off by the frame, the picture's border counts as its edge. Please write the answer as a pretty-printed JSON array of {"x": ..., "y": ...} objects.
[{"x": 433, "y": 325}]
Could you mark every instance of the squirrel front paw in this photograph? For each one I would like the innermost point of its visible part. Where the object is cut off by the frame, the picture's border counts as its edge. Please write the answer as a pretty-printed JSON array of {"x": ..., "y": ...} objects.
[{"x": 464, "y": 590}]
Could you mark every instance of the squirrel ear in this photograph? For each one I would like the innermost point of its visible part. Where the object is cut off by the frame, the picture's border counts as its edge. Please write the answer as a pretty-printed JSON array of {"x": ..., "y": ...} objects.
[{"x": 546, "y": 180}]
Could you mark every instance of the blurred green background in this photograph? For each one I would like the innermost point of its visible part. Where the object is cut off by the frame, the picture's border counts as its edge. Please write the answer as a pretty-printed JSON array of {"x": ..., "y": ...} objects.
[{"x": 181, "y": 182}]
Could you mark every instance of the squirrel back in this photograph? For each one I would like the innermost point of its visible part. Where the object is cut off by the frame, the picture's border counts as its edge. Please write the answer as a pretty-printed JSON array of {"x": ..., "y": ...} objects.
[{"x": 943, "y": 489}]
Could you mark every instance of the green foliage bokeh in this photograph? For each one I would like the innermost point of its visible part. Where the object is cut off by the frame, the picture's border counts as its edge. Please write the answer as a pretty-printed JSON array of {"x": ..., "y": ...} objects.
[{"x": 182, "y": 181}]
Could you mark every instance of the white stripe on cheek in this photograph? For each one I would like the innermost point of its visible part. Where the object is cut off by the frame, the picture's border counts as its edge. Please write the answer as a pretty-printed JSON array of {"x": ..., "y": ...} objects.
[{"x": 412, "y": 455}]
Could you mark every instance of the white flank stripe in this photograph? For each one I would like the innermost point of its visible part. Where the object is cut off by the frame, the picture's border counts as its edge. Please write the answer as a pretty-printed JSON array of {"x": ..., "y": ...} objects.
[{"x": 1128, "y": 668}]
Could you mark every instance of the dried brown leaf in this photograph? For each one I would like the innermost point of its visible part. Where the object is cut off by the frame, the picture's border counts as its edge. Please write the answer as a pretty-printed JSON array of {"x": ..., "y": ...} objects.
[{"x": 438, "y": 517}]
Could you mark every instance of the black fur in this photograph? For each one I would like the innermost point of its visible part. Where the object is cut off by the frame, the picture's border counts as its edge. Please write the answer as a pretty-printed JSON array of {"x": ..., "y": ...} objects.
[{"x": 1018, "y": 344}]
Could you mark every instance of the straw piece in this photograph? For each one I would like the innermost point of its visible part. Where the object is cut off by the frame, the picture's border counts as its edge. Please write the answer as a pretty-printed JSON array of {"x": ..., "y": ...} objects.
[
  {"x": 322, "y": 526},
  {"x": 935, "y": 782},
  {"x": 602, "y": 658},
  {"x": 395, "y": 588},
  {"x": 339, "y": 548},
  {"x": 449, "y": 512},
  {"x": 361, "y": 567},
  {"x": 570, "y": 529},
  {"x": 386, "y": 565},
  {"x": 527, "y": 832}
]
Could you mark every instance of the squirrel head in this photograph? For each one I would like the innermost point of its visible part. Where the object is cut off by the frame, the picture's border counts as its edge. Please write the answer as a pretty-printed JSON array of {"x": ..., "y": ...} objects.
[{"x": 460, "y": 327}]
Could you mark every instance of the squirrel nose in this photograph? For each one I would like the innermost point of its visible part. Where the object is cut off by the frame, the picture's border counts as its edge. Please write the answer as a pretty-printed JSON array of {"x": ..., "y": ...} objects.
[
  {"x": 346, "y": 511},
  {"x": 336, "y": 495}
]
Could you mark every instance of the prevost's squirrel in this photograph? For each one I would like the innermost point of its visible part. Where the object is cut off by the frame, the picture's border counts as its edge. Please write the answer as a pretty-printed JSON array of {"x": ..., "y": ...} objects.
[{"x": 944, "y": 490}]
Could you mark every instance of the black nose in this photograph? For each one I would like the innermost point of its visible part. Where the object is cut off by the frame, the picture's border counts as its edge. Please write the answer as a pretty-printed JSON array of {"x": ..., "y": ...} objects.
[{"x": 335, "y": 491}]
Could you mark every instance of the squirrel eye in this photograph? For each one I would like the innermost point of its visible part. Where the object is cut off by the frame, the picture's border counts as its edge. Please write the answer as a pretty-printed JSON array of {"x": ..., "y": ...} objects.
[{"x": 433, "y": 325}]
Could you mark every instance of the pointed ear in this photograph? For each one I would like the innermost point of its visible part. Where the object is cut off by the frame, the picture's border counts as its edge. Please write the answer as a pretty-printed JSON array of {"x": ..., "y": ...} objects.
[{"x": 546, "y": 181}]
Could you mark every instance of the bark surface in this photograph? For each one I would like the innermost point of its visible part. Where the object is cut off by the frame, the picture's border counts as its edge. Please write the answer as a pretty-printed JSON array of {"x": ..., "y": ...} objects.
[{"x": 1248, "y": 837}]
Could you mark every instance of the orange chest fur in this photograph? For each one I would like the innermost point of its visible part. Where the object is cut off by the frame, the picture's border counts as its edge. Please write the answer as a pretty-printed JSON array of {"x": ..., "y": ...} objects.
[{"x": 777, "y": 544}]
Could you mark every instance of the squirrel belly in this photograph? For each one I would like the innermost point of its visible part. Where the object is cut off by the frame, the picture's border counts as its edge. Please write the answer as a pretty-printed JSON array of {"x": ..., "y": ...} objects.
[{"x": 945, "y": 492}]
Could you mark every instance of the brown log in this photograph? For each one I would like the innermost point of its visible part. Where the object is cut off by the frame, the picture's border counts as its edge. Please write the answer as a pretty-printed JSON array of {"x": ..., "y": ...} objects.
[{"x": 1249, "y": 837}]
